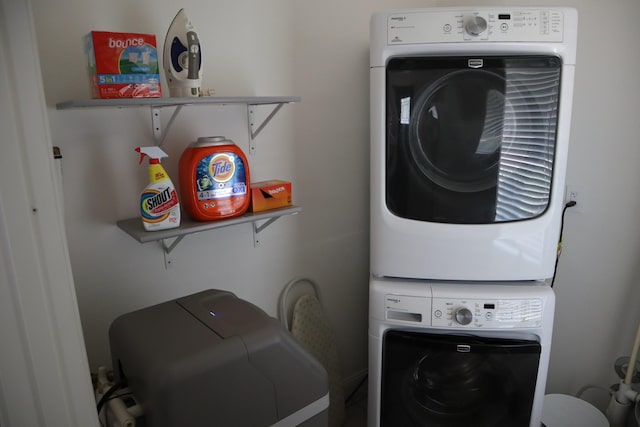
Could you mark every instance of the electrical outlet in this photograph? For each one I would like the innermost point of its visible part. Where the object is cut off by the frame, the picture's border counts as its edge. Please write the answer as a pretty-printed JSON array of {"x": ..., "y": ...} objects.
[{"x": 575, "y": 193}]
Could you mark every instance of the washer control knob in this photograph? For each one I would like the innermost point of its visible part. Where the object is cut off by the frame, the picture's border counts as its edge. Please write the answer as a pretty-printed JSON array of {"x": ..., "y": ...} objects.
[
  {"x": 475, "y": 25},
  {"x": 464, "y": 316}
]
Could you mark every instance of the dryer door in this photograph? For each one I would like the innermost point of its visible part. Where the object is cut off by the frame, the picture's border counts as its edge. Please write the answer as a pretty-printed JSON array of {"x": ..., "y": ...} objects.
[
  {"x": 470, "y": 140},
  {"x": 452, "y": 381}
]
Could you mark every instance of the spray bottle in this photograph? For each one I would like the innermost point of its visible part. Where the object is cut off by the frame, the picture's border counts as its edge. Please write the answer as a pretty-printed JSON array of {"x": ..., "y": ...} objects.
[{"x": 159, "y": 205}]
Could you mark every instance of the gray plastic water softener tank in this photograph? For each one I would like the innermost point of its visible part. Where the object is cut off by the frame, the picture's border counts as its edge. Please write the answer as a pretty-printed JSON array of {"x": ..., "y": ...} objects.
[{"x": 212, "y": 359}]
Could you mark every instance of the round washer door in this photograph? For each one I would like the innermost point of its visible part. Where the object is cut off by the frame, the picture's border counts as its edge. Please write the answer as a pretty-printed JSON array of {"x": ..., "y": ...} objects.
[{"x": 456, "y": 380}]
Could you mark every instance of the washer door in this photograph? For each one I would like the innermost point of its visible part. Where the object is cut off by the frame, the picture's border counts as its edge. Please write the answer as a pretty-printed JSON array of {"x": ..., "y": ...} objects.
[
  {"x": 470, "y": 140},
  {"x": 452, "y": 381}
]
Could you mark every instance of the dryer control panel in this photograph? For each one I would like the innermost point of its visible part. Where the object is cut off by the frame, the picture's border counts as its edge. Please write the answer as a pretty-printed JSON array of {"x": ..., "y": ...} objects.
[
  {"x": 455, "y": 26},
  {"x": 487, "y": 313}
]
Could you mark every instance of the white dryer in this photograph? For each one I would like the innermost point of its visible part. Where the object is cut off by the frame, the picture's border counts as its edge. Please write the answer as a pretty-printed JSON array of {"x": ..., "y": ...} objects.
[
  {"x": 451, "y": 355},
  {"x": 470, "y": 118}
]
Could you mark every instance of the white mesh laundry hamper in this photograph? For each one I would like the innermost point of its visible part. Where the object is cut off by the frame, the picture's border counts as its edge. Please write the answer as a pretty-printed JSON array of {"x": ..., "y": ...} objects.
[{"x": 301, "y": 312}]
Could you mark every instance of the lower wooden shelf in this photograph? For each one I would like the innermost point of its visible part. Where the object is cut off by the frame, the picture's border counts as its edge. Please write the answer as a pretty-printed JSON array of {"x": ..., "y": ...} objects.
[{"x": 134, "y": 228}]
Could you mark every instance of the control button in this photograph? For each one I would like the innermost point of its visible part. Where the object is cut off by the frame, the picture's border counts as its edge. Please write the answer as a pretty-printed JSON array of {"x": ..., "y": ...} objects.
[
  {"x": 463, "y": 316},
  {"x": 504, "y": 26},
  {"x": 488, "y": 315},
  {"x": 475, "y": 25},
  {"x": 437, "y": 313},
  {"x": 447, "y": 28}
]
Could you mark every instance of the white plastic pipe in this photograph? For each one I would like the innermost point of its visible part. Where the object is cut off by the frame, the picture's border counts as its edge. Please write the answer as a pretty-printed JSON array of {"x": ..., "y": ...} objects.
[
  {"x": 119, "y": 411},
  {"x": 634, "y": 356},
  {"x": 621, "y": 402},
  {"x": 619, "y": 406}
]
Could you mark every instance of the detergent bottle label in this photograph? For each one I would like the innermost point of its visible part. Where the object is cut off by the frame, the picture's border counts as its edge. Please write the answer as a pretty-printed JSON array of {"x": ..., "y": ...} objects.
[
  {"x": 156, "y": 205},
  {"x": 220, "y": 175}
]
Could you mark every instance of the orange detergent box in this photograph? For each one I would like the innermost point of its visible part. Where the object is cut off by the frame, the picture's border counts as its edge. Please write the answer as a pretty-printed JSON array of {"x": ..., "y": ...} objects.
[
  {"x": 122, "y": 65},
  {"x": 271, "y": 194}
]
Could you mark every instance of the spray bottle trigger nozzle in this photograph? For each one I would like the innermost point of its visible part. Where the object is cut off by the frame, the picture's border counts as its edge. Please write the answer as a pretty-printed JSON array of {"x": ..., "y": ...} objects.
[
  {"x": 141, "y": 156},
  {"x": 154, "y": 153}
]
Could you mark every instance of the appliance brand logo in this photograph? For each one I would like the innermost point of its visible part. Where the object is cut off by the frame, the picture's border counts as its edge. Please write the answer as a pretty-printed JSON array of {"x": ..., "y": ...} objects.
[
  {"x": 463, "y": 348},
  {"x": 475, "y": 63}
]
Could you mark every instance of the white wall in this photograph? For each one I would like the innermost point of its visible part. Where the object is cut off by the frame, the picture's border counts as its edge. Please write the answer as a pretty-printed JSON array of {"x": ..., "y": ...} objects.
[
  {"x": 319, "y": 51},
  {"x": 598, "y": 306}
]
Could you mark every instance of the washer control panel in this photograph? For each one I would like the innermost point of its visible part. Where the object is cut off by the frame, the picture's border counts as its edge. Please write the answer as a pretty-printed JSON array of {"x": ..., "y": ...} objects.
[
  {"x": 464, "y": 312},
  {"x": 485, "y": 313},
  {"x": 433, "y": 26}
]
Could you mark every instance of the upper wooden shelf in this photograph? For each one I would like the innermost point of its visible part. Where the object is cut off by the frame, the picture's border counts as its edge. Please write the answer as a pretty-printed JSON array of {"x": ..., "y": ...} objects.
[{"x": 172, "y": 102}]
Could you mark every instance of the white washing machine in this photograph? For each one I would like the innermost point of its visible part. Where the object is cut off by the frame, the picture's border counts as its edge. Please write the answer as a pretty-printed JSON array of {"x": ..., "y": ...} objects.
[
  {"x": 470, "y": 119},
  {"x": 451, "y": 355}
]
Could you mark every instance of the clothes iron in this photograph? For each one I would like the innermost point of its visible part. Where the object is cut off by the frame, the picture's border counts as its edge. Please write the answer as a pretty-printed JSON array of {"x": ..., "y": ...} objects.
[{"x": 182, "y": 60}]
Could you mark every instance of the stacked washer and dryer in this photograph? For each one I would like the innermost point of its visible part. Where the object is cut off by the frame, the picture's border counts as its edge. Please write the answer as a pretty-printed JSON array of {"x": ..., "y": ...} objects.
[{"x": 470, "y": 119}]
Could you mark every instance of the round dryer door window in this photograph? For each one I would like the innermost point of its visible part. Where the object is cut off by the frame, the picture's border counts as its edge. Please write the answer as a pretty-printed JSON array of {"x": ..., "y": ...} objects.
[
  {"x": 471, "y": 140},
  {"x": 455, "y": 131}
]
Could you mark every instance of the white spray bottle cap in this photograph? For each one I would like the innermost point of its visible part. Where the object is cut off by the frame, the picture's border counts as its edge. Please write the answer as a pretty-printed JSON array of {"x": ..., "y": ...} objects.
[{"x": 153, "y": 152}]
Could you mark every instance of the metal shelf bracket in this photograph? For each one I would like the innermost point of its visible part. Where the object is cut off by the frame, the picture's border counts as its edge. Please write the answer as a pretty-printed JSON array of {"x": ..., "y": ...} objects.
[
  {"x": 167, "y": 248},
  {"x": 255, "y": 129},
  {"x": 258, "y": 228},
  {"x": 156, "y": 122},
  {"x": 172, "y": 246}
]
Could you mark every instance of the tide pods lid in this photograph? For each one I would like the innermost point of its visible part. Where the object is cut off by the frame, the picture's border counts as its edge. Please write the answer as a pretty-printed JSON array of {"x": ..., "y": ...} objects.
[{"x": 207, "y": 141}]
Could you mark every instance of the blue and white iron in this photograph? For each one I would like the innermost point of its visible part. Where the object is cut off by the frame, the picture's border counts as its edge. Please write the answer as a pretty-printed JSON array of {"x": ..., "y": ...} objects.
[{"x": 182, "y": 60}]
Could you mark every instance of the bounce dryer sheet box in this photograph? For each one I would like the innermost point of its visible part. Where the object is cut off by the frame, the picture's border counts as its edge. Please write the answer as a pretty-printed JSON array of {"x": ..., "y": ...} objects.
[
  {"x": 272, "y": 194},
  {"x": 122, "y": 65}
]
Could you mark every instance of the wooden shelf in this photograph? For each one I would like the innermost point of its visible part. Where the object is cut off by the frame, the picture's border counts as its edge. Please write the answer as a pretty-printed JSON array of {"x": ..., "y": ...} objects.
[
  {"x": 174, "y": 102},
  {"x": 156, "y": 104},
  {"x": 133, "y": 227}
]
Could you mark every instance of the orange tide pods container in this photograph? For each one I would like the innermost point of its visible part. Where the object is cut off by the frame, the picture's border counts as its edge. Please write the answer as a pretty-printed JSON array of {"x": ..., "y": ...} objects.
[{"x": 214, "y": 179}]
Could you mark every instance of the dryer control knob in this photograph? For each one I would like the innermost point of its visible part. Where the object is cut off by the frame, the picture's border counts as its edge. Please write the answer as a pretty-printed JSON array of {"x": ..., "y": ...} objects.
[
  {"x": 475, "y": 25},
  {"x": 464, "y": 316}
]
